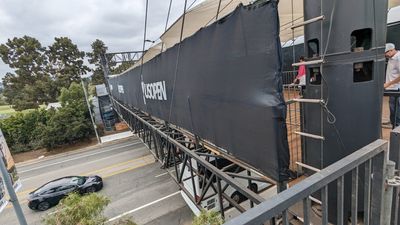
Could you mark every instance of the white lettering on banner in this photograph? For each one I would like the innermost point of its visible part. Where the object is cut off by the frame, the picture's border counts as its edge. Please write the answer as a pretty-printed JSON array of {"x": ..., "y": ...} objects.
[
  {"x": 155, "y": 91},
  {"x": 120, "y": 89}
]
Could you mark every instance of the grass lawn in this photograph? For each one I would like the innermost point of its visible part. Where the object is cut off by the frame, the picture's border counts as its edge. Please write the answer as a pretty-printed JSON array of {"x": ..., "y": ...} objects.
[{"x": 7, "y": 110}]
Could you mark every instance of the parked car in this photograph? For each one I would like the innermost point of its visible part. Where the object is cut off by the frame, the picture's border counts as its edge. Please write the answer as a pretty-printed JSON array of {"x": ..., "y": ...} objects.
[{"x": 52, "y": 192}]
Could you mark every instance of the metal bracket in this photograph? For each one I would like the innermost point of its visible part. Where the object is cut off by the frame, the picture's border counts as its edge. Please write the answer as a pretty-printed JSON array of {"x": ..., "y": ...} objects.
[{"x": 394, "y": 182}]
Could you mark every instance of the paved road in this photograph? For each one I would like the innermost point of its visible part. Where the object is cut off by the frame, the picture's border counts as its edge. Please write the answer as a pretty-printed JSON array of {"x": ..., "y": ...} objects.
[{"x": 134, "y": 182}]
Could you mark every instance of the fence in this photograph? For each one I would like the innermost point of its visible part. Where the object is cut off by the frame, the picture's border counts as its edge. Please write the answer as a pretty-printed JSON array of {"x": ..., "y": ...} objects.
[
  {"x": 371, "y": 159},
  {"x": 294, "y": 118}
]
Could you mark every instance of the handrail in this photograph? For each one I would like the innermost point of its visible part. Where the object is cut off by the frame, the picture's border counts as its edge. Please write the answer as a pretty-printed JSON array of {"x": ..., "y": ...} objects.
[{"x": 281, "y": 202}]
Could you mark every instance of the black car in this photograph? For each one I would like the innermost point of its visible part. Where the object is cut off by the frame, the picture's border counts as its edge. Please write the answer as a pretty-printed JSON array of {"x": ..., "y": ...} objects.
[{"x": 52, "y": 192}]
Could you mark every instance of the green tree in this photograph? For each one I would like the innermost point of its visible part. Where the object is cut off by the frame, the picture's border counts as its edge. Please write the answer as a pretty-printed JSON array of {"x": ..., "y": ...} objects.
[
  {"x": 98, "y": 48},
  {"x": 27, "y": 58},
  {"x": 79, "y": 210},
  {"x": 208, "y": 218},
  {"x": 71, "y": 122},
  {"x": 23, "y": 130},
  {"x": 66, "y": 62}
]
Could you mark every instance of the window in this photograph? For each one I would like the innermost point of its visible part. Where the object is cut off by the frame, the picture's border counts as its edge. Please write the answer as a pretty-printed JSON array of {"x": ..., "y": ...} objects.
[
  {"x": 361, "y": 40},
  {"x": 52, "y": 190},
  {"x": 313, "y": 48},
  {"x": 67, "y": 187},
  {"x": 362, "y": 71},
  {"x": 315, "y": 76}
]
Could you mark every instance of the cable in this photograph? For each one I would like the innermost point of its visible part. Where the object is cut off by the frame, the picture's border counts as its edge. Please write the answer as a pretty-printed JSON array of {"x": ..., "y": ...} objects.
[
  {"x": 177, "y": 61},
  {"x": 166, "y": 23},
  {"x": 144, "y": 46},
  {"x": 190, "y": 6},
  {"x": 220, "y": 11},
  {"x": 219, "y": 6},
  {"x": 331, "y": 118}
]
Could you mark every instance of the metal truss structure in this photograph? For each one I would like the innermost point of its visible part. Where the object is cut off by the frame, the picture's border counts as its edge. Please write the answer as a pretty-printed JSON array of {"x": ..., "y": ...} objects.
[
  {"x": 120, "y": 57},
  {"x": 178, "y": 150}
]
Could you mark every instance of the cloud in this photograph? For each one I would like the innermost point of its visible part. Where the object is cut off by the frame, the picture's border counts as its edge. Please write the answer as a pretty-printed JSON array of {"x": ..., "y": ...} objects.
[{"x": 120, "y": 24}]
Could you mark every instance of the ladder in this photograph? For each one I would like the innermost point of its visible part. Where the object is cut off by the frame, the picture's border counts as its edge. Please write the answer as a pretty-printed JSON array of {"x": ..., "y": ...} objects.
[{"x": 319, "y": 61}]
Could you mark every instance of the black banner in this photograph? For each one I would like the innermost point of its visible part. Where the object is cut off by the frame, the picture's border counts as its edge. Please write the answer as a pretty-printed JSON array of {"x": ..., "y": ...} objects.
[{"x": 222, "y": 84}]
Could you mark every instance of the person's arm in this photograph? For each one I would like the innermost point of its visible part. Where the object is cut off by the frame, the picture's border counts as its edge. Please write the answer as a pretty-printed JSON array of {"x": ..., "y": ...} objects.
[{"x": 395, "y": 81}]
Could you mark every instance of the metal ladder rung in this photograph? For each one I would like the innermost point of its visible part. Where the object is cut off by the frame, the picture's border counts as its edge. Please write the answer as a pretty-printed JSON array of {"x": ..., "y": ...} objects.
[
  {"x": 312, "y": 20},
  {"x": 307, "y": 167},
  {"x": 309, "y": 135},
  {"x": 312, "y": 62},
  {"x": 305, "y": 100}
]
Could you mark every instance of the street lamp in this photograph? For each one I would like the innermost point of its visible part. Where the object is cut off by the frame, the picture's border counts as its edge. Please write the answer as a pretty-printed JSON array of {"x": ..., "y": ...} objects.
[{"x": 88, "y": 105}]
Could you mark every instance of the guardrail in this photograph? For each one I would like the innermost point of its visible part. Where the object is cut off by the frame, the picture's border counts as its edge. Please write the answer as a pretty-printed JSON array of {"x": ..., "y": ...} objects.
[{"x": 371, "y": 159}]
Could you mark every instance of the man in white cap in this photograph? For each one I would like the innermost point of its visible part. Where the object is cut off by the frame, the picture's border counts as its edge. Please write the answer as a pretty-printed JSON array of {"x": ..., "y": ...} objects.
[{"x": 393, "y": 81}]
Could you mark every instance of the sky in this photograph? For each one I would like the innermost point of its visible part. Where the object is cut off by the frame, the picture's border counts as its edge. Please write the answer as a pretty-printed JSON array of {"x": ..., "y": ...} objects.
[{"x": 119, "y": 23}]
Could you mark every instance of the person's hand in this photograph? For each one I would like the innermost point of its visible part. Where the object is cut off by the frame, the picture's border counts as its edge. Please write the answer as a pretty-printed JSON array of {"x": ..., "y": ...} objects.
[{"x": 386, "y": 85}]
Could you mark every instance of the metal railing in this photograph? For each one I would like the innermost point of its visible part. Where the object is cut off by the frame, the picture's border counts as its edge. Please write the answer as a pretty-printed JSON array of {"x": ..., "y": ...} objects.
[
  {"x": 394, "y": 155},
  {"x": 288, "y": 77},
  {"x": 367, "y": 164},
  {"x": 294, "y": 118}
]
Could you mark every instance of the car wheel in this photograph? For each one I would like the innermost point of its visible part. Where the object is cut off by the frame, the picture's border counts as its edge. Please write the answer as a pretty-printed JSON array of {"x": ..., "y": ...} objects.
[
  {"x": 90, "y": 189},
  {"x": 253, "y": 187},
  {"x": 43, "y": 206},
  {"x": 238, "y": 197}
]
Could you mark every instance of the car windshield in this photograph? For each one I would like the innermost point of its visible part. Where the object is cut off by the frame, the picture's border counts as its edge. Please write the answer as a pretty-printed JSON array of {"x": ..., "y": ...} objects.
[{"x": 78, "y": 180}]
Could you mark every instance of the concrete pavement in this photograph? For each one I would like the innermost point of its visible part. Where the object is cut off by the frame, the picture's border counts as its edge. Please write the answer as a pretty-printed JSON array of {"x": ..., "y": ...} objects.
[{"x": 134, "y": 182}]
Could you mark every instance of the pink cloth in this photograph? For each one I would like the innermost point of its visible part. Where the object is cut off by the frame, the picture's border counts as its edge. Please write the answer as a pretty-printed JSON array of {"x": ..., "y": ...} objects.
[{"x": 301, "y": 72}]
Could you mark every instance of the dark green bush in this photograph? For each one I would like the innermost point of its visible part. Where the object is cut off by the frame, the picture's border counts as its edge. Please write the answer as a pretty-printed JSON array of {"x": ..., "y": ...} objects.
[{"x": 52, "y": 128}]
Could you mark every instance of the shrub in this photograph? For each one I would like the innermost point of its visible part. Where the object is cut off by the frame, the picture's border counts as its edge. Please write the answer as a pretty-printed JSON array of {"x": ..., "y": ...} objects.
[
  {"x": 208, "y": 218},
  {"x": 79, "y": 210},
  {"x": 52, "y": 128}
]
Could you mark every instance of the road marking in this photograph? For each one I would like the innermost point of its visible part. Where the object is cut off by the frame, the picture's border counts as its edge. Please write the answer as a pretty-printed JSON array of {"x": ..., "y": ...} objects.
[
  {"x": 73, "y": 153},
  {"x": 88, "y": 162},
  {"x": 116, "y": 165},
  {"x": 143, "y": 206},
  {"x": 159, "y": 175},
  {"x": 71, "y": 159},
  {"x": 104, "y": 177},
  {"x": 94, "y": 171}
]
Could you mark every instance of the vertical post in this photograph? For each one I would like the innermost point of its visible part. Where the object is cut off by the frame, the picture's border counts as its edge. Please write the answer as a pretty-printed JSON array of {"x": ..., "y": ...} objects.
[
  {"x": 90, "y": 112},
  {"x": 11, "y": 192},
  {"x": 104, "y": 66},
  {"x": 394, "y": 155},
  {"x": 388, "y": 194},
  {"x": 378, "y": 169},
  {"x": 249, "y": 184}
]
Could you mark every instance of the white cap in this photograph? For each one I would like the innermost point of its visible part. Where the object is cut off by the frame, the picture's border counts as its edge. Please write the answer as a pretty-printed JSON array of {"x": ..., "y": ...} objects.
[{"x": 389, "y": 46}]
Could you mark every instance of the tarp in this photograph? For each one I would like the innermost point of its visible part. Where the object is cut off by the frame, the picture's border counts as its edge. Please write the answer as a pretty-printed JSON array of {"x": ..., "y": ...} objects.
[
  {"x": 205, "y": 13},
  {"x": 227, "y": 87}
]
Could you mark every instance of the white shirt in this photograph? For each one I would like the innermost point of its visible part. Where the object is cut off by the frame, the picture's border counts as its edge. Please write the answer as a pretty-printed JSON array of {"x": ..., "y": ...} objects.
[{"x": 393, "y": 71}]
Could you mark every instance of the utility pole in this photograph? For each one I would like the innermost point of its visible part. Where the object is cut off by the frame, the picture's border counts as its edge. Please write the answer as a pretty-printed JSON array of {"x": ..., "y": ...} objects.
[
  {"x": 11, "y": 192},
  {"x": 90, "y": 111}
]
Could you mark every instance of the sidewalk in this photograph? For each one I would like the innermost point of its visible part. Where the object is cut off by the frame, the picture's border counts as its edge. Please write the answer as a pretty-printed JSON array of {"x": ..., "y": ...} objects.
[{"x": 114, "y": 137}]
